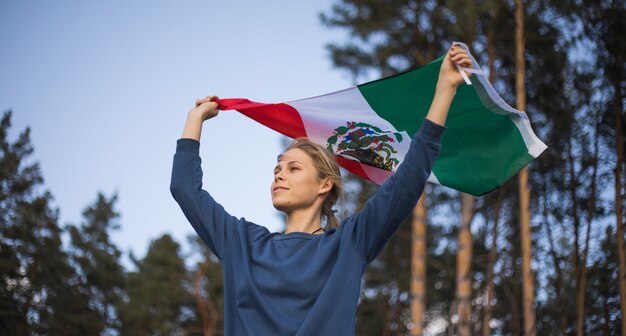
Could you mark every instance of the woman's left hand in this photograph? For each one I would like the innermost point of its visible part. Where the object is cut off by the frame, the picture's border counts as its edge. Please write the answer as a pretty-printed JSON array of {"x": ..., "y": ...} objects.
[{"x": 449, "y": 75}]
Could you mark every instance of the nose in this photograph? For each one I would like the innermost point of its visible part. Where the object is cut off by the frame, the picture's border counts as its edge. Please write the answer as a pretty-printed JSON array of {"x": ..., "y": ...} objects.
[{"x": 279, "y": 176}]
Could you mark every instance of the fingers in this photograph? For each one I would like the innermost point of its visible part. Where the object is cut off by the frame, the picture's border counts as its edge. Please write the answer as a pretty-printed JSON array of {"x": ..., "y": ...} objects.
[
  {"x": 206, "y": 99},
  {"x": 465, "y": 62},
  {"x": 459, "y": 56}
]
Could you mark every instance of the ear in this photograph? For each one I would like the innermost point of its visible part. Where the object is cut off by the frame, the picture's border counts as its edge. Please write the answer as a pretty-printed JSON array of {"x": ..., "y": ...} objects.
[{"x": 326, "y": 186}]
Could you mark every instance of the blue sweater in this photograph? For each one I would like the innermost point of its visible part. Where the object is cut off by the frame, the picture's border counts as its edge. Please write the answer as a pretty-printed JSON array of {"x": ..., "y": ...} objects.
[{"x": 299, "y": 283}]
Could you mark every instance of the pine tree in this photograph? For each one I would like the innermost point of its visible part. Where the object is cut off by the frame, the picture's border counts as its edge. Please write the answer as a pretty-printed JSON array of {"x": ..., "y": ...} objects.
[
  {"x": 603, "y": 293},
  {"x": 100, "y": 276},
  {"x": 602, "y": 22},
  {"x": 155, "y": 291},
  {"x": 36, "y": 296}
]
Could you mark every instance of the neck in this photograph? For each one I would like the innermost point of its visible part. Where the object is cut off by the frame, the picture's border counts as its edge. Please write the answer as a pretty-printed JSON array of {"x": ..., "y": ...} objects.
[{"x": 305, "y": 220}]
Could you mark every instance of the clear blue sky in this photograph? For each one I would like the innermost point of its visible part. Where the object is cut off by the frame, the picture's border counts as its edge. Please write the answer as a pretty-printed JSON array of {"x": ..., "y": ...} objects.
[{"x": 105, "y": 87}]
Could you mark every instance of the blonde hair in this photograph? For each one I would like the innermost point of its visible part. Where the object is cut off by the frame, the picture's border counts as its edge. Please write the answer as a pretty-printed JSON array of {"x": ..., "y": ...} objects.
[{"x": 327, "y": 167}]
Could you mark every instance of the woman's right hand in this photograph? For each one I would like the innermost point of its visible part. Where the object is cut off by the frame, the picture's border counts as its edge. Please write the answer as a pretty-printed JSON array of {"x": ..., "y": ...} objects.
[{"x": 206, "y": 108}]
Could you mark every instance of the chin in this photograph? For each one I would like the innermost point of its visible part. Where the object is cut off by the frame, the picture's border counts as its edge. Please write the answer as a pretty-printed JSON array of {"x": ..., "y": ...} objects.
[{"x": 280, "y": 206}]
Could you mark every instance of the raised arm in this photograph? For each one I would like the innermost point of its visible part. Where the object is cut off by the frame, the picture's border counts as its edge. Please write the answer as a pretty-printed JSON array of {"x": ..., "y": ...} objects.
[
  {"x": 447, "y": 83},
  {"x": 208, "y": 218},
  {"x": 384, "y": 212}
]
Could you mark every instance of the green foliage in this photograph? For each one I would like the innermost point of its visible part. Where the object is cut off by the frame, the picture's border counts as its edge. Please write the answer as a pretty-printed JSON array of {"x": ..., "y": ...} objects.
[
  {"x": 574, "y": 81},
  {"x": 100, "y": 276},
  {"x": 86, "y": 291},
  {"x": 36, "y": 293},
  {"x": 388, "y": 36},
  {"x": 155, "y": 292}
]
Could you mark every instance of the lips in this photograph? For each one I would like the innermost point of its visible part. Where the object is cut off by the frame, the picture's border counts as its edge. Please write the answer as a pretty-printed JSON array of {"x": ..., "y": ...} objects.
[{"x": 279, "y": 188}]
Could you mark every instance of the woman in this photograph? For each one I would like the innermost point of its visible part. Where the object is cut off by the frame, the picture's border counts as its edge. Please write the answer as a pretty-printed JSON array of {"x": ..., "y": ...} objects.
[{"x": 307, "y": 280}]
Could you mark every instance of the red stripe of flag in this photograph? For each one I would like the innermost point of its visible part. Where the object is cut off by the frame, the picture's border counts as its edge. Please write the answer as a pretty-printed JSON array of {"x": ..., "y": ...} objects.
[
  {"x": 280, "y": 117},
  {"x": 352, "y": 166}
]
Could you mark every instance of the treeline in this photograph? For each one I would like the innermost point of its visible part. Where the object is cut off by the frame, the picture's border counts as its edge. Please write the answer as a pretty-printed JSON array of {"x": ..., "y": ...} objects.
[
  {"x": 456, "y": 267},
  {"x": 47, "y": 288}
]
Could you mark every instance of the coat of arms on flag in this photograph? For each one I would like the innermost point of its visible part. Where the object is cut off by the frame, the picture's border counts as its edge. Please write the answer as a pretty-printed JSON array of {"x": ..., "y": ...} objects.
[{"x": 366, "y": 144}]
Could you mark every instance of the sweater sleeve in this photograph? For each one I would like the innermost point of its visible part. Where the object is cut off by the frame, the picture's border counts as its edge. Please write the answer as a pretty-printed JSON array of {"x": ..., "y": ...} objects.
[
  {"x": 383, "y": 213},
  {"x": 208, "y": 218}
]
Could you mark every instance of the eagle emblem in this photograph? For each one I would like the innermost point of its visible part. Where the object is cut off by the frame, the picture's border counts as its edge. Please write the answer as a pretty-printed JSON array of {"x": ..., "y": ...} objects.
[{"x": 366, "y": 144}]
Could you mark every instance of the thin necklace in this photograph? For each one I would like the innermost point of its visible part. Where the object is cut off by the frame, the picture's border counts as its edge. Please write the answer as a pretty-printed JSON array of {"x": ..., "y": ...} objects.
[{"x": 317, "y": 230}]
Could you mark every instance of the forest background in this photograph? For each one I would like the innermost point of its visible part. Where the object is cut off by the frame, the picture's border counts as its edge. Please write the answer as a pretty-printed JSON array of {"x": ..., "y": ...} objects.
[{"x": 459, "y": 265}]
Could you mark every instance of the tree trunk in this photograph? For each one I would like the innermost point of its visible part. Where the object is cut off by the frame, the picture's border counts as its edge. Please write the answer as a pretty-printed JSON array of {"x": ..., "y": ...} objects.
[
  {"x": 418, "y": 267},
  {"x": 384, "y": 302},
  {"x": 464, "y": 266},
  {"x": 491, "y": 49},
  {"x": 574, "y": 206},
  {"x": 515, "y": 318},
  {"x": 607, "y": 320},
  {"x": 618, "y": 206},
  {"x": 573, "y": 182},
  {"x": 486, "y": 330},
  {"x": 206, "y": 309},
  {"x": 464, "y": 239},
  {"x": 527, "y": 275},
  {"x": 491, "y": 61},
  {"x": 524, "y": 194},
  {"x": 581, "y": 283},
  {"x": 558, "y": 281}
]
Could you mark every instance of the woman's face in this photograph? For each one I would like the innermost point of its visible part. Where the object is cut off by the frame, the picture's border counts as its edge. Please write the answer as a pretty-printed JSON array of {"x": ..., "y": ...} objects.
[{"x": 296, "y": 182}]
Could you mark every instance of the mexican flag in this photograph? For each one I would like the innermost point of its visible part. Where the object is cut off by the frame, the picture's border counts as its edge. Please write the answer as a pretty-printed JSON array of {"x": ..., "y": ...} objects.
[{"x": 369, "y": 128}]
